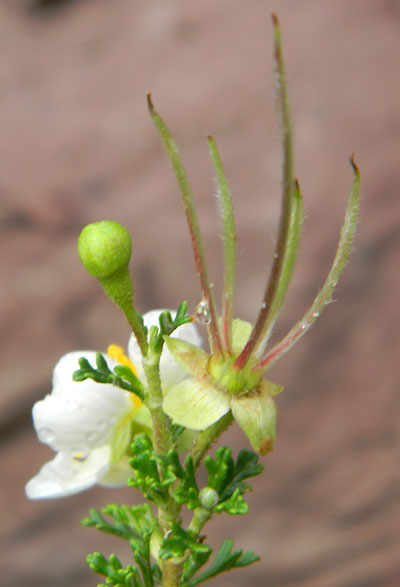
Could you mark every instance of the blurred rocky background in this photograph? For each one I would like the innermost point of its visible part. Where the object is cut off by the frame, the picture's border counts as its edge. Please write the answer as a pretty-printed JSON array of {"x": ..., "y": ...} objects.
[{"x": 77, "y": 145}]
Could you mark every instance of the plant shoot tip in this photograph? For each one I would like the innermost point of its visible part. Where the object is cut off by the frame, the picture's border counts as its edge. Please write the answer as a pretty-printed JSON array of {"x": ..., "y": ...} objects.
[
  {"x": 275, "y": 19},
  {"x": 150, "y": 103},
  {"x": 354, "y": 166}
]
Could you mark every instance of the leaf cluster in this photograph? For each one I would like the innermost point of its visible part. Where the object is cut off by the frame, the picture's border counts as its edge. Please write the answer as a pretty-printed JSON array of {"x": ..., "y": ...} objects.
[
  {"x": 122, "y": 376},
  {"x": 224, "y": 560},
  {"x": 167, "y": 326},
  {"x": 135, "y": 524}
]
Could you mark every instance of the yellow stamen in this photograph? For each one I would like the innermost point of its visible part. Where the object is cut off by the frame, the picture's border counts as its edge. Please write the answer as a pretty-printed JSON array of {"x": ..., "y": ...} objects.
[{"x": 117, "y": 353}]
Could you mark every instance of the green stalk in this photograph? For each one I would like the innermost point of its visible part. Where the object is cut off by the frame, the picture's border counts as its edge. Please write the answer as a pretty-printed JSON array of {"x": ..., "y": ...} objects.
[
  {"x": 325, "y": 295},
  {"x": 194, "y": 228},
  {"x": 162, "y": 444},
  {"x": 171, "y": 574},
  {"x": 290, "y": 220},
  {"x": 206, "y": 438},
  {"x": 229, "y": 241}
]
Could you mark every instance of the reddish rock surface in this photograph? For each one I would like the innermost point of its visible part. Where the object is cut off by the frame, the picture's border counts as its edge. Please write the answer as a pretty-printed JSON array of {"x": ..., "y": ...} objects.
[{"x": 77, "y": 145}]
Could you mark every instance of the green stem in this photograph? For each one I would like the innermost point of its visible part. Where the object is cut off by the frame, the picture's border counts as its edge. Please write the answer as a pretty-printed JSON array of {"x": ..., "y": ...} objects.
[
  {"x": 200, "y": 517},
  {"x": 162, "y": 435},
  {"x": 171, "y": 574},
  {"x": 206, "y": 438},
  {"x": 119, "y": 288},
  {"x": 169, "y": 513}
]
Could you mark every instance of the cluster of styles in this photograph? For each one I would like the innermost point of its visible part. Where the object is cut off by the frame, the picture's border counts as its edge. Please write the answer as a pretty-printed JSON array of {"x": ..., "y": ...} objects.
[{"x": 147, "y": 419}]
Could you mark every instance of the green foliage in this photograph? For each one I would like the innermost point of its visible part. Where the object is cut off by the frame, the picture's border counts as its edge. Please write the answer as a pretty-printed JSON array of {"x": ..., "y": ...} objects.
[
  {"x": 122, "y": 376},
  {"x": 169, "y": 325},
  {"x": 144, "y": 575},
  {"x": 227, "y": 478},
  {"x": 224, "y": 560},
  {"x": 153, "y": 473},
  {"x": 136, "y": 524},
  {"x": 179, "y": 541}
]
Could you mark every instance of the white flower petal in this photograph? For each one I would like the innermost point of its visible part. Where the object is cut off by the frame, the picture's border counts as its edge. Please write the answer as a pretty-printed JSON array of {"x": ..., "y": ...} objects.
[
  {"x": 117, "y": 475},
  {"x": 171, "y": 372},
  {"x": 195, "y": 405},
  {"x": 65, "y": 476},
  {"x": 78, "y": 415},
  {"x": 83, "y": 418}
]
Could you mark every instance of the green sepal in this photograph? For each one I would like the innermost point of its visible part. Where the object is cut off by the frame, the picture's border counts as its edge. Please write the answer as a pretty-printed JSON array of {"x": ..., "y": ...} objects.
[
  {"x": 224, "y": 560},
  {"x": 241, "y": 331},
  {"x": 122, "y": 376},
  {"x": 256, "y": 414},
  {"x": 195, "y": 404},
  {"x": 191, "y": 358}
]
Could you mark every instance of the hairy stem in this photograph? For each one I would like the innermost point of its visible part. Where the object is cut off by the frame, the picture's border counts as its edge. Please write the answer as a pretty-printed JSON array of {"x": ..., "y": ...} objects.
[
  {"x": 171, "y": 574},
  {"x": 206, "y": 438}
]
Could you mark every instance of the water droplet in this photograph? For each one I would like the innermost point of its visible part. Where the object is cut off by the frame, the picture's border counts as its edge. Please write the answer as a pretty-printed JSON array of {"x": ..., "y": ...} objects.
[
  {"x": 302, "y": 326},
  {"x": 46, "y": 435},
  {"x": 315, "y": 314},
  {"x": 202, "y": 313},
  {"x": 263, "y": 306},
  {"x": 80, "y": 455}
]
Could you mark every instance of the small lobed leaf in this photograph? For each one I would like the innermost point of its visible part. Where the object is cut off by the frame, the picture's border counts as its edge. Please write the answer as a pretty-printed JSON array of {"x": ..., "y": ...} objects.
[
  {"x": 234, "y": 505},
  {"x": 224, "y": 560},
  {"x": 179, "y": 541},
  {"x": 227, "y": 478},
  {"x": 122, "y": 376},
  {"x": 153, "y": 473}
]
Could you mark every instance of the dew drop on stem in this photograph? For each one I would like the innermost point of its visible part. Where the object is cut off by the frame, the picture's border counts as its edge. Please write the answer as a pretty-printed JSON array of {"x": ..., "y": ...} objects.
[{"x": 202, "y": 313}]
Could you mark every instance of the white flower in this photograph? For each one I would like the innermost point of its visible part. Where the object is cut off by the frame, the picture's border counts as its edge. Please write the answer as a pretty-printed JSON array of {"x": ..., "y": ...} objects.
[
  {"x": 171, "y": 372},
  {"x": 90, "y": 425}
]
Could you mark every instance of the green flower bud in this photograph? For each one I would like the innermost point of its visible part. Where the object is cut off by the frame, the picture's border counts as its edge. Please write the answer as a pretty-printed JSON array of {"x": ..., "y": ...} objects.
[
  {"x": 104, "y": 248},
  {"x": 208, "y": 498}
]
